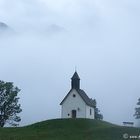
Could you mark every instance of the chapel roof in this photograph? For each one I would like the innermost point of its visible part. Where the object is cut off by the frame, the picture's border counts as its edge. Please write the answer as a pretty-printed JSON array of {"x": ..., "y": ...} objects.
[
  {"x": 88, "y": 101},
  {"x": 84, "y": 96}
]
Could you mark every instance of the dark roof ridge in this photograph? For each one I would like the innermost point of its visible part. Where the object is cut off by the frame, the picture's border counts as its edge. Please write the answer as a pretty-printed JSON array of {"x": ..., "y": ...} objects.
[
  {"x": 84, "y": 96},
  {"x": 89, "y": 101}
]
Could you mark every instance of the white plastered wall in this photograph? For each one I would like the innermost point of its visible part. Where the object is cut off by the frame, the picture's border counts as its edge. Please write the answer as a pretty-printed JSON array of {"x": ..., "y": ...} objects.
[{"x": 74, "y": 103}]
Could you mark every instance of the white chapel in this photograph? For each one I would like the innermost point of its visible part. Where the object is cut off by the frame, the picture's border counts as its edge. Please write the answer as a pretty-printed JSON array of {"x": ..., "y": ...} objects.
[{"x": 76, "y": 104}]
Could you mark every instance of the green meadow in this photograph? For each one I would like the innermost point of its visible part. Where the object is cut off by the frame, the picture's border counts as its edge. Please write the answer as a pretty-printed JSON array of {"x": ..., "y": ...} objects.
[{"x": 69, "y": 129}]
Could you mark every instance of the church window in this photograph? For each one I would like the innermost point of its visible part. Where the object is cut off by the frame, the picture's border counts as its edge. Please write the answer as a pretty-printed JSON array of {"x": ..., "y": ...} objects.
[
  {"x": 74, "y": 95},
  {"x": 90, "y": 111}
]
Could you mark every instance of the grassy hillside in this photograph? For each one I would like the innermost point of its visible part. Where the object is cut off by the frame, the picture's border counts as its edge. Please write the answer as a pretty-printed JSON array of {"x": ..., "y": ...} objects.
[{"x": 68, "y": 129}]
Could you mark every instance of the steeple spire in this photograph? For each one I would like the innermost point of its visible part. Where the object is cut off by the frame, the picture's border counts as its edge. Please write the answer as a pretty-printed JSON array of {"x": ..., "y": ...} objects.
[{"x": 75, "y": 81}]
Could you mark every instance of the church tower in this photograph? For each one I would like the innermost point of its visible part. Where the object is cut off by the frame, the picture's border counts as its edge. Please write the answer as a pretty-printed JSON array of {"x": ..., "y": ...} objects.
[{"x": 75, "y": 81}]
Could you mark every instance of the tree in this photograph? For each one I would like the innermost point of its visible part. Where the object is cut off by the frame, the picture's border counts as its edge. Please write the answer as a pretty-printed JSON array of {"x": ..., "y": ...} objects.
[
  {"x": 137, "y": 110},
  {"x": 9, "y": 107},
  {"x": 98, "y": 115}
]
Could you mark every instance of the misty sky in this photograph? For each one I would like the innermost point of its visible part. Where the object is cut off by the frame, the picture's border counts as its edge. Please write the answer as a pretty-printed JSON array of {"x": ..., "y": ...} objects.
[{"x": 50, "y": 37}]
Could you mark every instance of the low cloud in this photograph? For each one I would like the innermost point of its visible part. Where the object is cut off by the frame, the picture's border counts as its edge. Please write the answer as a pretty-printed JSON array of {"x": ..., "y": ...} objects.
[{"x": 50, "y": 39}]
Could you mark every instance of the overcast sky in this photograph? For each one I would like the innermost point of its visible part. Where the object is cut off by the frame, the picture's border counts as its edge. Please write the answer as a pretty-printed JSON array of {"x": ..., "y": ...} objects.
[{"x": 50, "y": 37}]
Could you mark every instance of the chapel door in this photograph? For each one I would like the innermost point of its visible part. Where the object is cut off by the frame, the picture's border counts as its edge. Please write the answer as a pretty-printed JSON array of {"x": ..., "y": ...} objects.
[{"x": 74, "y": 114}]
